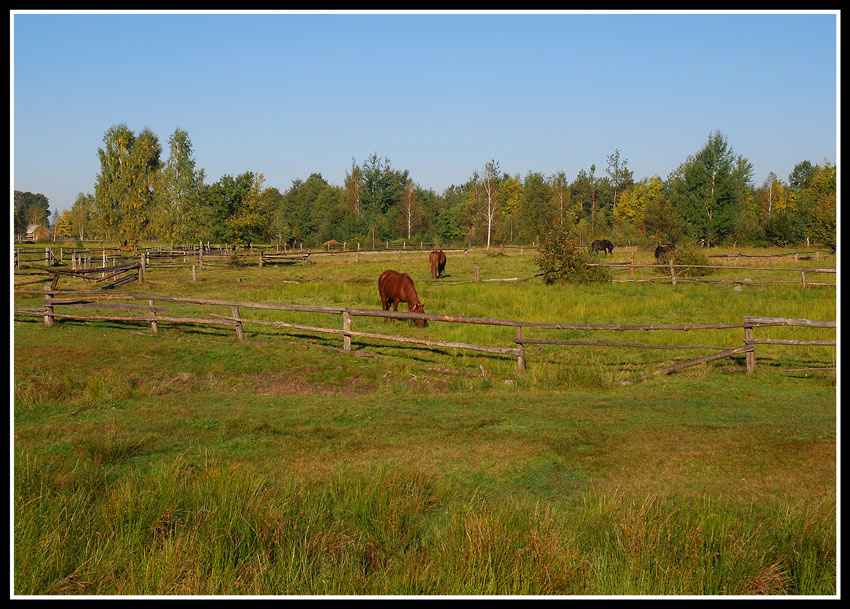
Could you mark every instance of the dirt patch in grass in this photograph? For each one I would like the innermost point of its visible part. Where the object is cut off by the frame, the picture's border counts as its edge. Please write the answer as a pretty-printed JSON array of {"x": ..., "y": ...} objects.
[{"x": 297, "y": 383}]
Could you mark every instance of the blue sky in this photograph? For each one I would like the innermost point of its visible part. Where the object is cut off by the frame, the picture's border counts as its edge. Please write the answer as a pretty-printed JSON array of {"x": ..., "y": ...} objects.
[{"x": 440, "y": 95}]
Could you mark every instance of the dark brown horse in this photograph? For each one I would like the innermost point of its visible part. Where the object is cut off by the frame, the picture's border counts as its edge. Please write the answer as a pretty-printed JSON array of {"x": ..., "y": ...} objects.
[
  {"x": 395, "y": 287},
  {"x": 663, "y": 249},
  {"x": 437, "y": 258},
  {"x": 602, "y": 245}
]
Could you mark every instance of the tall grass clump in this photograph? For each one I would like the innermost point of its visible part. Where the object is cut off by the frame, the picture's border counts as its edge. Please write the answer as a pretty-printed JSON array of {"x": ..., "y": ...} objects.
[
  {"x": 562, "y": 262},
  {"x": 206, "y": 528}
]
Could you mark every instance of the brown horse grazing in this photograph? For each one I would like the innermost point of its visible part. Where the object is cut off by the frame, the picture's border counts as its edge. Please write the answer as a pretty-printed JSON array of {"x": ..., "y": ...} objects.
[
  {"x": 437, "y": 258},
  {"x": 395, "y": 287},
  {"x": 663, "y": 249}
]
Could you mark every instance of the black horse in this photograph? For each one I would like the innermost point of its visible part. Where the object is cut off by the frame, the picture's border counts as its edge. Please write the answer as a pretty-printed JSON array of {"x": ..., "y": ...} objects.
[
  {"x": 663, "y": 249},
  {"x": 602, "y": 245}
]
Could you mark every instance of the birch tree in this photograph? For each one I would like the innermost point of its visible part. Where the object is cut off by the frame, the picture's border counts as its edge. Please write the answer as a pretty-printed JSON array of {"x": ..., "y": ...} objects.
[
  {"x": 490, "y": 195},
  {"x": 561, "y": 193},
  {"x": 179, "y": 179},
  {"x": 410, "y": 211}
]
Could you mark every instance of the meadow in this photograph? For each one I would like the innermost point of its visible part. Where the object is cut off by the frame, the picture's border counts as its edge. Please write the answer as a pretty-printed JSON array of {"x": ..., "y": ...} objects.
[{"x": 187, "y": 462}]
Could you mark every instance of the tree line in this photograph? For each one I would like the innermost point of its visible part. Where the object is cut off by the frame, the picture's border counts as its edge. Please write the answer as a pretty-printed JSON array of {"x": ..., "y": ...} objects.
[{"x": 142, "y": 194}]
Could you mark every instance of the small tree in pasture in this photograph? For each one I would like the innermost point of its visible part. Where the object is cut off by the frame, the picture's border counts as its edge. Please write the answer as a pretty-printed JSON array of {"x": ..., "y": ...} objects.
[{"x": 563, "y": 262}]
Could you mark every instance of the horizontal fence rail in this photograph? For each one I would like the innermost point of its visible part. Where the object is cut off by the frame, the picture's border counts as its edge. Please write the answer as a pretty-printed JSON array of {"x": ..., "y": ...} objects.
[
  {"x": 154, "y": 315},
  {"x": 673, "y": 277},
  {"x": 201, "y": 256},
  {"x": 754, "y": 322}
]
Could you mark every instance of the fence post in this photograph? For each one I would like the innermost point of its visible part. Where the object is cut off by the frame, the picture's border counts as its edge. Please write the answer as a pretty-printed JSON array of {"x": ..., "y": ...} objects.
[
  {"x": 102, "y": 275},
  {"x": 194, "y": 273},
  {"x": 48, "y": 304},
  {"x": 633, "y": 264},
  {"x": 672, "y": 272},
  {"x": 751, "y": 355},
  {"x": 239, "y": 334},
  {"x": 47, "y": 256},
  {"x": 357, "y": 256},
  {"x": 803, "y": 275},
  {"x": 142, "y": 268},
  {"x": 520, "y": 360},
  {"x": 261, "y": 258},
  {"x": 346, "y": 326},
  {"x": 154, "y": 327},
  {"x": 476, "y": 274}
]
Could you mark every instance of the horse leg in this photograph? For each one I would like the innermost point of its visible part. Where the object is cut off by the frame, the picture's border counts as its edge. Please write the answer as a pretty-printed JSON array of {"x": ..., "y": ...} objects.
[
  {"x": 395, "y": 307},
  {"x": 385, "y": 304}
]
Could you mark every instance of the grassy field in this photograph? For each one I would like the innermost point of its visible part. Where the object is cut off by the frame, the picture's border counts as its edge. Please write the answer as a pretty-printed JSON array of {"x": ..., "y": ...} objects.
[{"x": 189, "y": 463}]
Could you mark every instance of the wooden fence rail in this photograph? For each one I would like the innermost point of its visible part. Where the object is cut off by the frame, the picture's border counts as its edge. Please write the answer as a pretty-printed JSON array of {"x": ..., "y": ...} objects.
[
  {"x": 754, "y": 322},
  {"x": 54, "y": 299},
  {"x": 674, "y": 277}
]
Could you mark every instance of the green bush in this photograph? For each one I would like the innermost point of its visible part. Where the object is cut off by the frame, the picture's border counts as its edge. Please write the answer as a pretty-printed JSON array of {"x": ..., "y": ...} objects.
[
  {"x": 562, "y": 262},
  {"x": 235, "y": 259},
  {"x": 686, "y": 253}
]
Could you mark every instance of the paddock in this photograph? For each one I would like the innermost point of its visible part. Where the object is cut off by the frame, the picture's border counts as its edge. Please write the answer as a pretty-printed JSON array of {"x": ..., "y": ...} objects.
[{"x": 489, "y": 321}]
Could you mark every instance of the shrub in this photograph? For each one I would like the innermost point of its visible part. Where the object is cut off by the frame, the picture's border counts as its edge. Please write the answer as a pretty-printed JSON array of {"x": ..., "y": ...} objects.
[
  {"x": 687, "y": 253},
  {"x": 562, "y": 262},
  {"x": 235, "y": 259}
]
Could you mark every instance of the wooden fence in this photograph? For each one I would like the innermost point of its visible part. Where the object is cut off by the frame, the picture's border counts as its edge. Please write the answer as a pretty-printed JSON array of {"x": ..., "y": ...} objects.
[
  {"x": 116, "y": 275},
  {"x": 221, "y": 255},
  {"x": 81, "y": 264},
  {"x": 753, "y": 322},
  {"x": 673, "y": 277},
  {"x": 154, "y": 315}
]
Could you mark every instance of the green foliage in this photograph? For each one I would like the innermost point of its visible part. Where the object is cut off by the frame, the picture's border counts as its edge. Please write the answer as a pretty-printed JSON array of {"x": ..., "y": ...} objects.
[
  {"x": 708, "y": 197},
  {"x": 236, "y": 259},
  {"x": 29, "y": 208},
  {"x": 686, "y": 253},
  {"x": 383, "y": 186},
  {"x": 129, "y": 166},
  {"x": 176, "y": 217},
  {"x": 228, "y": 201},
  {"x": 818, "y": 205},
  {"x": 63, "y": 225},
  {"x": 537, "y": 207},
  {"x": 82, "y": 215},
  {"x": 562, "y": 262},
  {"x": 783, "y": 228},
  {"x": 708, "y": 188}
]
